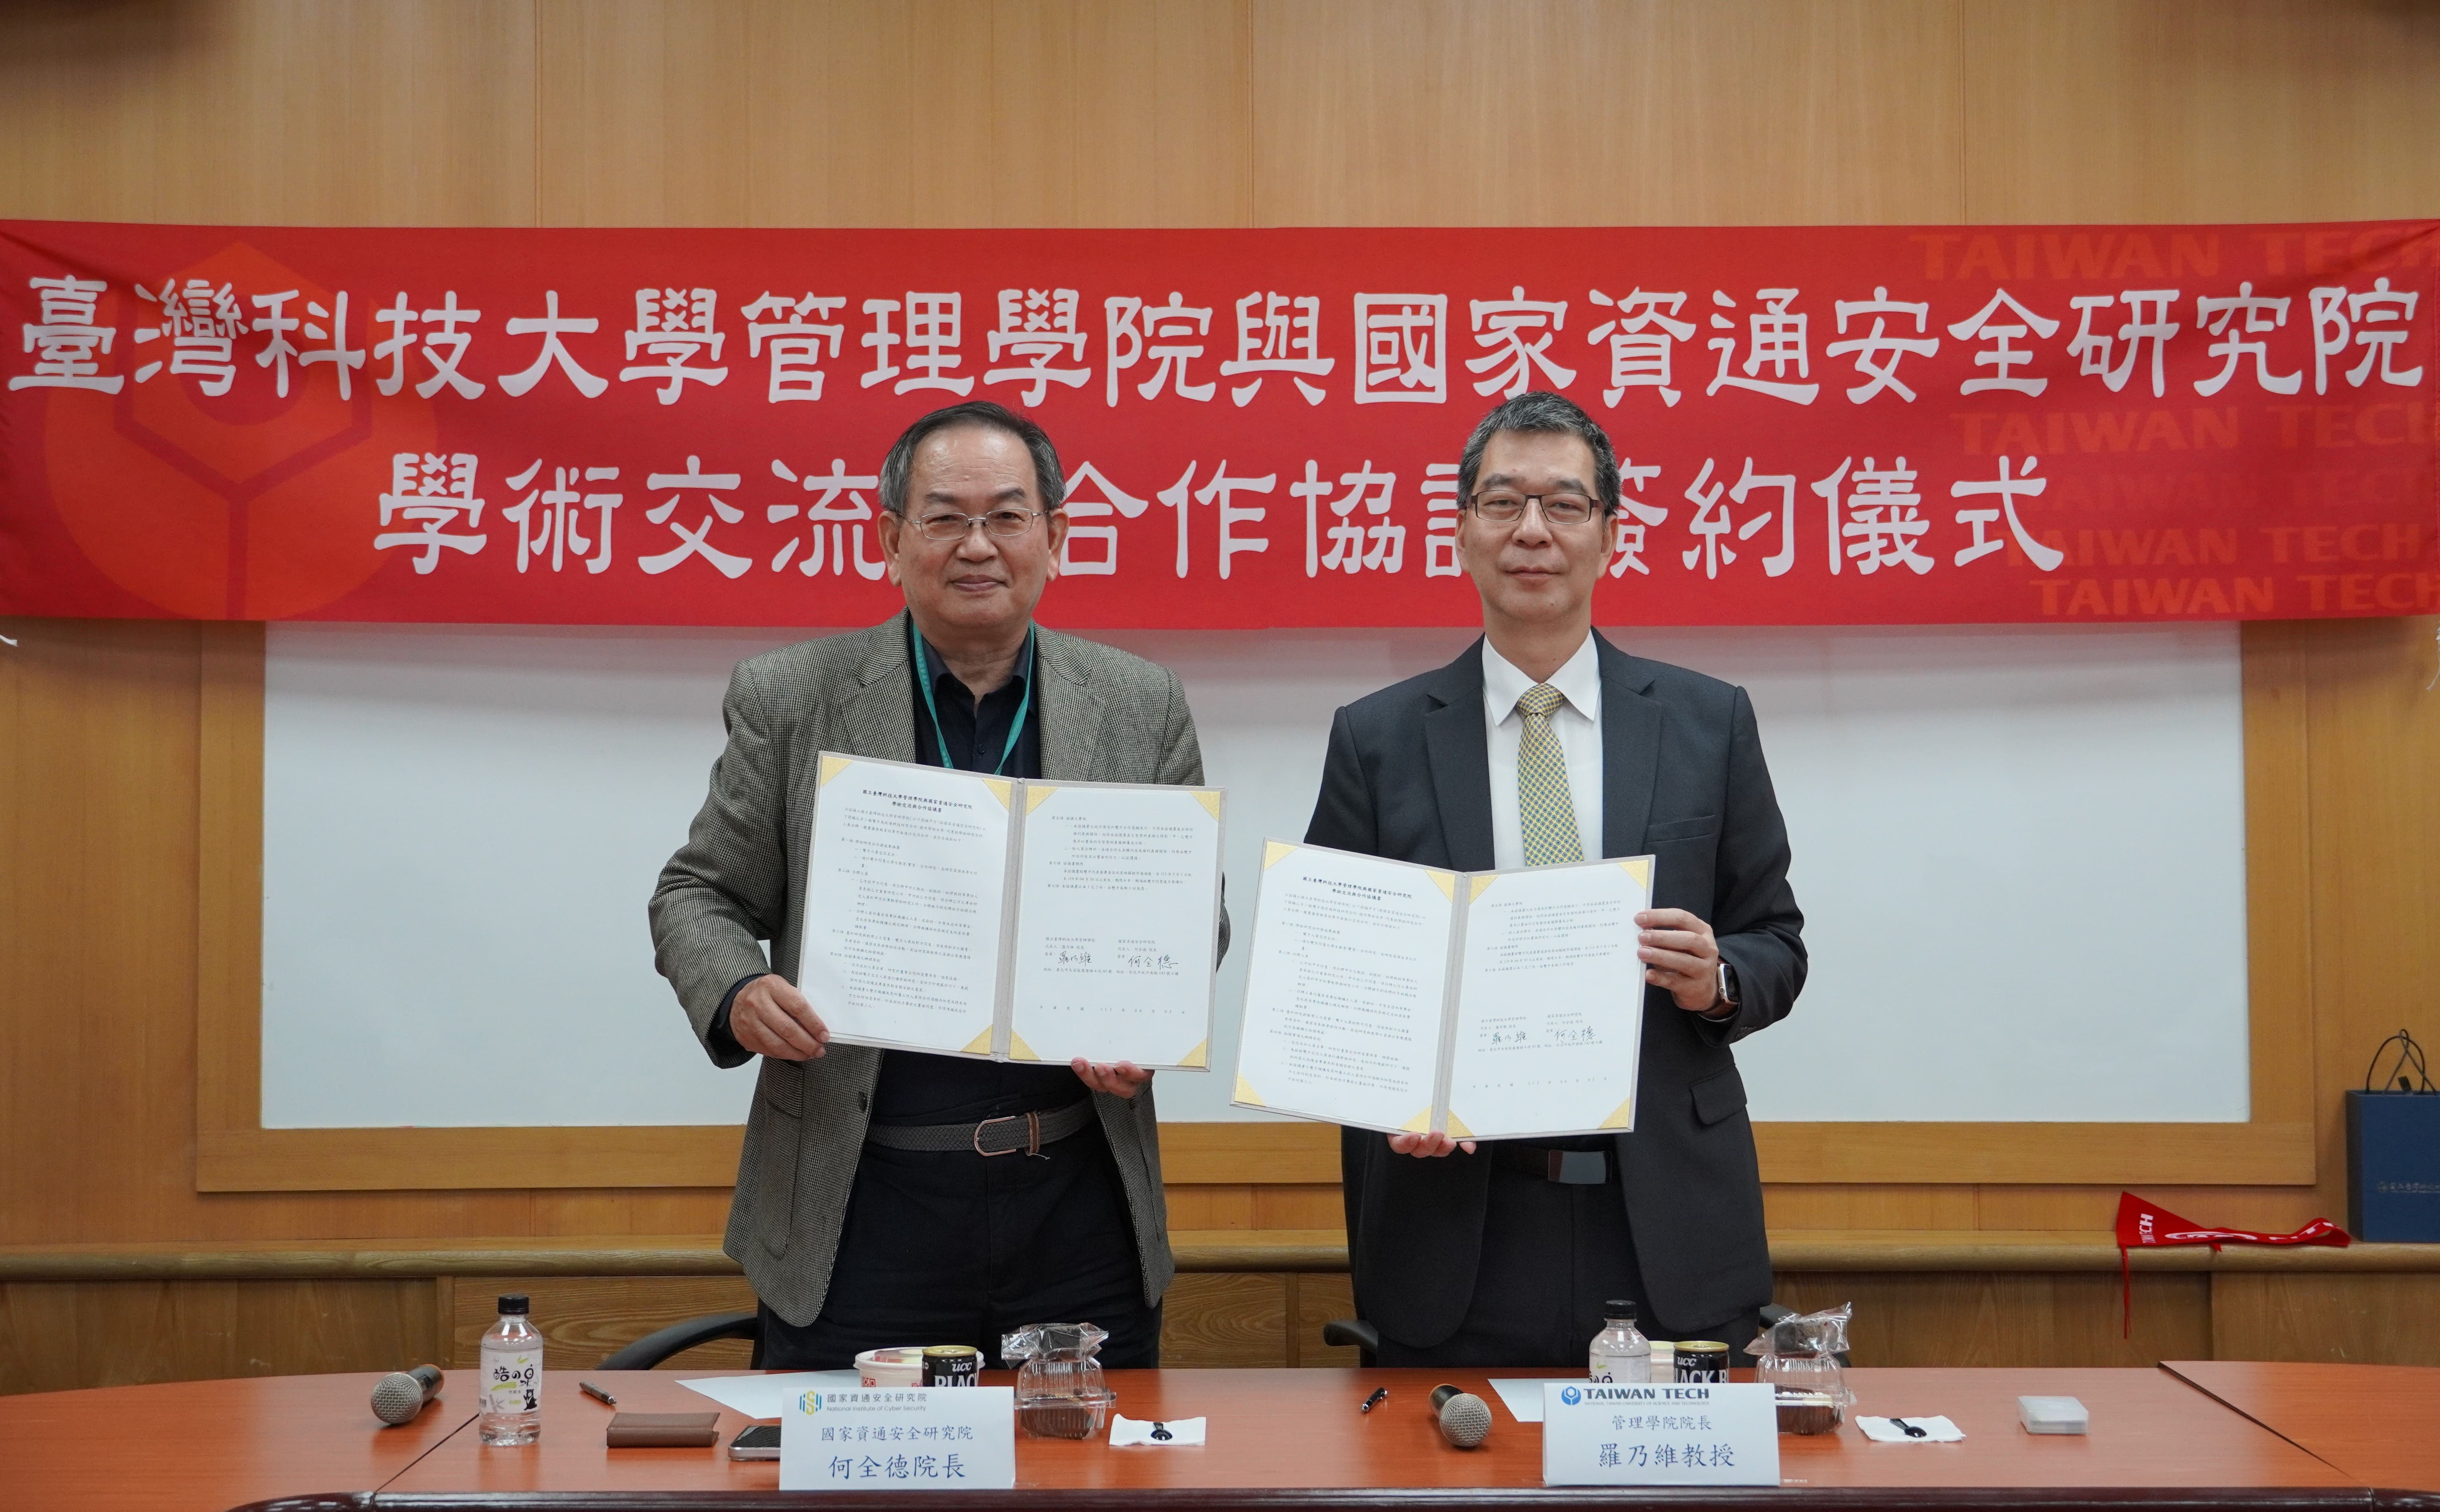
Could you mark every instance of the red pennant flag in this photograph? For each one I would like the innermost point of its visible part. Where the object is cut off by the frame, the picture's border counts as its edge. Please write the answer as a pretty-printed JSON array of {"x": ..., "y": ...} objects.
[{"x": 2141, "y": 1224}]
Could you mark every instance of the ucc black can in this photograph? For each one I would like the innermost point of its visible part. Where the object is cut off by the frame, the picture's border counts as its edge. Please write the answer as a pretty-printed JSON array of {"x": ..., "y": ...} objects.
[
  {"x": 1702, "y": 1362},
  {"x": 953, "y": 1365}
]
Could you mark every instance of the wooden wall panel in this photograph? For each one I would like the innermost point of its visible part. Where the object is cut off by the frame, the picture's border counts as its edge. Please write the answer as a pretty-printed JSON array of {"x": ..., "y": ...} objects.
[
  {"x": 1317, "y": 1298},
  {"x": 66, "y": 1334},
  {"x": 2032, "y": 1318},
  {"x": 2380, "y": 1319},
  {"x": 583, "y": 1319},
  {"x": 283, "y": 112},
  {"x": 2200, "y": 110},
  {"x": 1580, "y": 112},
  {"x": 1238, "y": 1319},
  {"x": 97, "y": 954},
  {"x": 642, "y": 108},
  {"x": 2375, "y": 853}
]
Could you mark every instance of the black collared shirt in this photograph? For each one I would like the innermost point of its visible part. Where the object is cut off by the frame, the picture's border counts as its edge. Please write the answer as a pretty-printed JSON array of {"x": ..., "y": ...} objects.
[{"x": 976, "y": 731}]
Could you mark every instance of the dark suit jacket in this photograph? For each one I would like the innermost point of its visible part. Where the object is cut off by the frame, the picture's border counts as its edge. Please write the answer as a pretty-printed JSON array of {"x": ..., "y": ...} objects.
[{"x": 1409, "y": 776}]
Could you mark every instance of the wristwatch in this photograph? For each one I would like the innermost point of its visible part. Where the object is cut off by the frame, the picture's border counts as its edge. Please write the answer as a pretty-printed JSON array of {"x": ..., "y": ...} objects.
[{"x": 1727, "y": 994}]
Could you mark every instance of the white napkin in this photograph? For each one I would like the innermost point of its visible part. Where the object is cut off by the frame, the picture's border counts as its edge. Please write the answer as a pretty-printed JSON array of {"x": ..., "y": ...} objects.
[
  {"x": 1886, "y": 1431},
  {"x": 1182, "y": 1431}
]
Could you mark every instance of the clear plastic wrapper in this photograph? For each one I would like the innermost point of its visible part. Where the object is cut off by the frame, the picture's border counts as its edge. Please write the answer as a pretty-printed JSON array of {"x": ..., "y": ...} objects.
[
  {"x": 1799, "y": 1358},
  {"x": 1060, "y": 1393}
]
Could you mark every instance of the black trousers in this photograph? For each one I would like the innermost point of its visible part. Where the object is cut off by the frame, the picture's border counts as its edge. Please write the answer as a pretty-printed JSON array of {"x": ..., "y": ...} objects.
[
  {"x": 954, "y": 1248},
  {"x": 1552, "y": 1255}
]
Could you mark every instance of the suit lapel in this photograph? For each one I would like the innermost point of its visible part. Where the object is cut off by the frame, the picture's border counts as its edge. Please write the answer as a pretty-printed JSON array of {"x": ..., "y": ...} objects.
[
  {"x": 876, "y": 713},
  {"x": 1630, "y": 750},
  {"x": 1459, "y": 751},
  {"x": 1068, "y": 713}
]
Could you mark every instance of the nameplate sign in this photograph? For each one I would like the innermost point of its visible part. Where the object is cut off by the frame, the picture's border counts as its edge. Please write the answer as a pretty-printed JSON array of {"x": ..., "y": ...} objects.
[
  {"x": 1660, "y": 1434},
  {"x": 907, "y": 1438}
]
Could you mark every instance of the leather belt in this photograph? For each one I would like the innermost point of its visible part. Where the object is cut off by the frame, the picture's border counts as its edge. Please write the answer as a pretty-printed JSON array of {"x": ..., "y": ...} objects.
[
  {"x": 1567, "y": 1167},
  {"x": 1013, "y": 1134}
]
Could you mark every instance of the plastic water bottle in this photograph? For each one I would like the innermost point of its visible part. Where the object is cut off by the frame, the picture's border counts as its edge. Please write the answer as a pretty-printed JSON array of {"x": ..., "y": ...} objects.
[
  {"x": 512, "y": 1376},
  {"x": 1620, "y": 1354}
]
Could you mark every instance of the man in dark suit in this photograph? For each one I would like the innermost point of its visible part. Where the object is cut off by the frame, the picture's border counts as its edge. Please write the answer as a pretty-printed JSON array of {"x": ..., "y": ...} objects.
[{"x": 1544, "y": 743}]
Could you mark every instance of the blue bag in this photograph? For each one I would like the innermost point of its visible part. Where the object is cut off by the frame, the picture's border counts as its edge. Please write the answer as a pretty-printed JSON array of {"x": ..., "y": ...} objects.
[{"x": 2394, "y": 1151}]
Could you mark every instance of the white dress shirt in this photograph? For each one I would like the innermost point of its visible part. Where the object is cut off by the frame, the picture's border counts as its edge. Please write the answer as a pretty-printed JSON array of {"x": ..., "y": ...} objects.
[{"x": 1577, "y": 723}]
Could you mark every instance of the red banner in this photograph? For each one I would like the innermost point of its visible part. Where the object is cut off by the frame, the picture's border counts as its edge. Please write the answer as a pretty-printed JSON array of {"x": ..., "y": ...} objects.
[{"x": 1816, "y": 426}]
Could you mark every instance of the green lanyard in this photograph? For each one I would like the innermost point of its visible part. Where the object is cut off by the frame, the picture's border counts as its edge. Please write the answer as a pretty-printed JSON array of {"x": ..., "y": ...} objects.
[{"x": 924, "y": 680}]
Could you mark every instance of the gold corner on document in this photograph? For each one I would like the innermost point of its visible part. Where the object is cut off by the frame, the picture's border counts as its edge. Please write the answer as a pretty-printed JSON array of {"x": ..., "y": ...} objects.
[
  {"x": 1018, "y": 1049},
  {"x": 1209, "y": 799},
  {"x": 833, "y": 763},
  {"x": 1640, "y": 868},
  {"x": 980, "y": 1045},
  {"x": 1036, "y": 795},
  {"x": 1446, "y": 882},
  {"x": 1001, "y": 789},
  {"x": 1199, "y": 1055},
  {"x": 1480, "y": 885},
  {"x": 1272, "y": 851},
  {"x": 1420, "y": 1124},
  {"x": 1457, "y": 1128},
  {"x": 1623, "y": 1118},
  {"x": 1247, "y": 1094}
]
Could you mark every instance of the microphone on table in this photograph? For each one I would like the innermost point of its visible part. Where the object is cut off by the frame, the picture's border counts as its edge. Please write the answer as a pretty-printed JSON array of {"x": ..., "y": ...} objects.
[
  {"x": 1463, "y": 1419},
  {"x": 401, "y": 1394}
]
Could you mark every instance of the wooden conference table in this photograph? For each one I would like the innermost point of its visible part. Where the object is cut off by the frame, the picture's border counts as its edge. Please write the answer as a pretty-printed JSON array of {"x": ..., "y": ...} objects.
[{"x": 1278, "y": 1437}]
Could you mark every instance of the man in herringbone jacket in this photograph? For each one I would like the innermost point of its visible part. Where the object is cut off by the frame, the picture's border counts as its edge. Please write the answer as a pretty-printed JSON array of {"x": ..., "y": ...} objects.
[{"x": 864, "y": 1215}]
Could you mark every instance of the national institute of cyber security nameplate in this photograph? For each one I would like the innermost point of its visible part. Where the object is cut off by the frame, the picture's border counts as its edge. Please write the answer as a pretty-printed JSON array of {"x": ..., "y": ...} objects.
[{"x": 900, "y": 1438}]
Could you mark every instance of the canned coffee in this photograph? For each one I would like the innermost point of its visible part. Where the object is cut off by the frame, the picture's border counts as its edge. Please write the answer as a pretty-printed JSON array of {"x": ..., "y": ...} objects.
[
  {"x": 953, "y": 1365},
  {"x": 1703, "y": 1362}
]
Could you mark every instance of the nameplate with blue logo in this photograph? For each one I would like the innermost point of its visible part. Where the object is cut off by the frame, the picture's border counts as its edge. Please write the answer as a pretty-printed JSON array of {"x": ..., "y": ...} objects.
[
  {"x": 900, "y": 1438},
  {"x": 1660, "y": 1434}
]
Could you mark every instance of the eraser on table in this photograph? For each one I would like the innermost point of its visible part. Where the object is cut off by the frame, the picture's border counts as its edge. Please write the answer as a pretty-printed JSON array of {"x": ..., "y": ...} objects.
[{"x": 2051, "y": 1415}]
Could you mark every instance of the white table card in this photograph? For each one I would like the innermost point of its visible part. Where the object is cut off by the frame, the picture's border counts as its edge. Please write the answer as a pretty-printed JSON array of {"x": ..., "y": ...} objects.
[
  {"x": 1659, "y": 1435},
  {"x": 900, "y": 1438}
]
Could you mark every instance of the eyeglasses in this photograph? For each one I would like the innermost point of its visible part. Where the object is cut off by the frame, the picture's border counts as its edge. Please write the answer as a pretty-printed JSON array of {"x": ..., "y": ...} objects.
[
  {"x": 1006, "y": 525},
  {"x": 1502, "y": 507}
]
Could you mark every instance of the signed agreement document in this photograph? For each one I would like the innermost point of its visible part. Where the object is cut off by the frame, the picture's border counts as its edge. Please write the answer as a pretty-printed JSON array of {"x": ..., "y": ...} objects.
[
  {"x": 1481, "y": 1004},
  {"x": 967, "y": 914}
]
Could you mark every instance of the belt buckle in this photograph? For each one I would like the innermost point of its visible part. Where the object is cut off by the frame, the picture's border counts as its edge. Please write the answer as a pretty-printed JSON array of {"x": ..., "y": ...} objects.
[
  {"x": 1032, "y": 1144},
  {"x": 1576, "y": 1167}
]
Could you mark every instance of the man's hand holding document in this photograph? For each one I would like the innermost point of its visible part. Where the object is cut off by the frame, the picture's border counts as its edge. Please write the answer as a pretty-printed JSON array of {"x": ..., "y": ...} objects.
[
  {"x": 1416, "y": 999},
  {"x": 963, "y": 913}
]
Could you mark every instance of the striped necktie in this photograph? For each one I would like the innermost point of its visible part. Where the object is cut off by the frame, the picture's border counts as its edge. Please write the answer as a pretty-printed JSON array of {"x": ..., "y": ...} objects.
[{"x": 1546, "y": 811}]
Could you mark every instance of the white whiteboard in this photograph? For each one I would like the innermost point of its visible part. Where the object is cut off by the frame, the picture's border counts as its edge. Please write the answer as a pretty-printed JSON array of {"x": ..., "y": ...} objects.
[{"x": 2019, "y": 851}]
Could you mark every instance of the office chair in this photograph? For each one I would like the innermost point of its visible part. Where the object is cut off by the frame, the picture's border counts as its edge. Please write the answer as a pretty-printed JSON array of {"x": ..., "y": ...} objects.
[{"x": 648, "y": 1352}]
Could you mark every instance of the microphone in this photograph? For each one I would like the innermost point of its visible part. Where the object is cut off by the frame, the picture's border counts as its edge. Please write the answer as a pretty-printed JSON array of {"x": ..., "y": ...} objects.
[
  {"x": 399, "y": 1395},
  {"x": 1463, "y": 1419}
]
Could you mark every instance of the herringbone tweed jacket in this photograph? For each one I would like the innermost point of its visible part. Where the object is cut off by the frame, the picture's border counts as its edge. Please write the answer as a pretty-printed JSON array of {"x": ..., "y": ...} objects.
[{"x": 1104, "y": 716}]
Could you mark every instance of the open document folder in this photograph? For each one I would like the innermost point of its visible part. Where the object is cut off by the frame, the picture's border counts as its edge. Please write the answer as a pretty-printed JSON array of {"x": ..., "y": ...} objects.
[
  {"x": 967, "y": 914},
  {"x": 1481, "y": 1004}
]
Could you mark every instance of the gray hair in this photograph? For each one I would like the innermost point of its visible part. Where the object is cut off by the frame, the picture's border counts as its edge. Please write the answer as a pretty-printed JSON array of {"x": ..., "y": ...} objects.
[
  {"x": 1540, "y": 413},
  {"x": 896, "y": 467}
]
